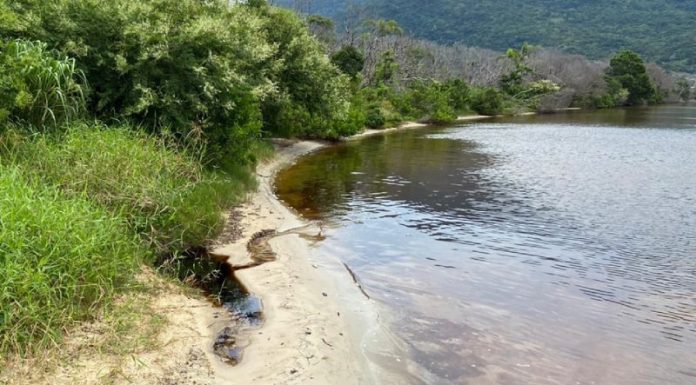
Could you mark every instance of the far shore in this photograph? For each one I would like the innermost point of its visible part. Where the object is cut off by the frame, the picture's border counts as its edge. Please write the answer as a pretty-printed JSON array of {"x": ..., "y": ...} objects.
[
  {"x": 459, "y": 119},
  {"x": 411, "y": 125}
]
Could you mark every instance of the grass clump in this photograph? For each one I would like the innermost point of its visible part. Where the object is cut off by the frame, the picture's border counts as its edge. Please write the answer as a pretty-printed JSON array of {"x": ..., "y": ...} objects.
[
  {"x": 61, "y": 259},
  {"x": 165, "y": 194},
  {"x": 37, "y": 86}
]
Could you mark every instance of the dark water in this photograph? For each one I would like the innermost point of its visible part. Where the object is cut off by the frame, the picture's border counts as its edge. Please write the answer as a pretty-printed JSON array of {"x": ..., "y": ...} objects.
[{"x": 534, "y": 250}]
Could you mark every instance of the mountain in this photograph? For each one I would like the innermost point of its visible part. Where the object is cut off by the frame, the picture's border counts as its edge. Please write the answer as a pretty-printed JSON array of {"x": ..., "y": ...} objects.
[{"x": 660, "y": 30}]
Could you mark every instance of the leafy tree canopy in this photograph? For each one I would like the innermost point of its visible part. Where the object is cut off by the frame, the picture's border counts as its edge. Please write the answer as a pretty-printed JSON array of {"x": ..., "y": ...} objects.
[
  {"x": 349, "y": 60},
  {"x": 627, "y": 69}
]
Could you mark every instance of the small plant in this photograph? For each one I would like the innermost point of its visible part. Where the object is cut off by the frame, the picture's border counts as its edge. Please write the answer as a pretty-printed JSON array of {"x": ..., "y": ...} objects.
[
  {"x": 487, "y": 101},
  {"x": 374, "y": 117}
]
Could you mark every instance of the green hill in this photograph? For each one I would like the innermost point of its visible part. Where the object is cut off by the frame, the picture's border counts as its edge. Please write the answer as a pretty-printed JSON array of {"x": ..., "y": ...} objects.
[{"x": 660, "y": 30}]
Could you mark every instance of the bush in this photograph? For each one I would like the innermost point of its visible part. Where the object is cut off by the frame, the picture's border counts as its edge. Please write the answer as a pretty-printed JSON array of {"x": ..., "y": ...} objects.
[
  {"x": 194, "y": 68},
  {"x": 165, "y": 195},
  {"x": 38, "y": 87},
  {"x": 430, "y": 101},
  {"x": 459, "y": 95},
  {"x": 487, "y": 101},
  {"x": 628, "y": 69},
  {"x": 349, "y": 60},
  {"x": 60, "y": 259},
  {"x": 312, "y": 98},
  {"x": 374, "y": 117},
  {"x": 210, "y": 73}
]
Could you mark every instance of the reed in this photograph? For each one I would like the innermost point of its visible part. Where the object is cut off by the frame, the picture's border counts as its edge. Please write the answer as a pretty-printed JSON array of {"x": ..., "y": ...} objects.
[{"x": 41, "y": 88}]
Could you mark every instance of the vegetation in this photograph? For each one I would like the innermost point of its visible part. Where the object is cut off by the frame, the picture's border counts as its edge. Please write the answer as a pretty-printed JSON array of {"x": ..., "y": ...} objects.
[
  {"x": 126, "y": 128},
  {"x": 36, "y": 86},
  {"x": 657, "y": 29},
  {"x": 627, "y": 73},
  {"x": 162, "y": 192},
  {"x": 60, "y": 258},
  {"x": 683, "y": 89}
]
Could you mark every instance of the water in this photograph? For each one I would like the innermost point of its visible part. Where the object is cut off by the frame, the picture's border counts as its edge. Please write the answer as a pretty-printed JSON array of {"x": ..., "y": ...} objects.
[{"x": 535, "y": 250}]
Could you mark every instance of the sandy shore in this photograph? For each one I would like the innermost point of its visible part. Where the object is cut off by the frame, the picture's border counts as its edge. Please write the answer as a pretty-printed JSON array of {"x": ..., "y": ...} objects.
[
  {"x": 412, "y": 125},
  {"x": 320, "y": 328}
]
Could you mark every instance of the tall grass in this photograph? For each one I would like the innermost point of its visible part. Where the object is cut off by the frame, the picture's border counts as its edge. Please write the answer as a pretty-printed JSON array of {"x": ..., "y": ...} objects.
[
  {"x": 37, "y": 86},
  {"x": 60, "y": 259},
  {"x": 163, "y": 192},
  {"x": 82, "y": 209}
]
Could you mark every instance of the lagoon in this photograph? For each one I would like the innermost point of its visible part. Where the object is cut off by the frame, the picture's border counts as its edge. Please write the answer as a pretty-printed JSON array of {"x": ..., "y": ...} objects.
[{"x": 549, "y": 249}]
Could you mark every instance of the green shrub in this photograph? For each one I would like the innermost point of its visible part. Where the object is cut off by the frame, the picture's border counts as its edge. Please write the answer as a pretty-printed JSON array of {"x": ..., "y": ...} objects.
[
  {"x": 430, "y": 101},
  {"x": 37, "y": 86},
  {"x": 212, "y": 74},
  {"x": 312, "y": 97},
  {"x": 374, "y": 117},
  {"x": 165, "y": 194},
  {"x": 61, "y": 258},
  {"x": 459, "y": 95},
  {"x": 349, "y": 60},
  {"x": 194, "y": 68},
  {"x": 487, "y": 101}
]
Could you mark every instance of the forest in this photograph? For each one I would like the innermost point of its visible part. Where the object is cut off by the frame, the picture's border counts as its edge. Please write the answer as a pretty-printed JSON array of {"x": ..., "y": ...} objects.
[
  {"x": 127, "y": 127},
  {"x": 659, "y": 30}
]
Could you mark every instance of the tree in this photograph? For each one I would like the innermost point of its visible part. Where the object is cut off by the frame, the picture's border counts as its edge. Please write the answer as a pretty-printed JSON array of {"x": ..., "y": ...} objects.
[
  {"x": 386, "y": 69},
  {"x": 683, "y": 89},
  {"x": 349, "y": 60},
  {"x": 628, "y": 69},
  {"x": 512, "y": 83}
]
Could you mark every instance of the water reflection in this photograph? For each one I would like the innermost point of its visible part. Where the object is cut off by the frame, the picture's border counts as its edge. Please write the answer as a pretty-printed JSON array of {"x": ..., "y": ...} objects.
[{"x": 548, "y": 250}]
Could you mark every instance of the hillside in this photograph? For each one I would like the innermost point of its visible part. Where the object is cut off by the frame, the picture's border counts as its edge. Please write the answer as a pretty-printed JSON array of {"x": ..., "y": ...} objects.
[{"x": 660, "y": 30}]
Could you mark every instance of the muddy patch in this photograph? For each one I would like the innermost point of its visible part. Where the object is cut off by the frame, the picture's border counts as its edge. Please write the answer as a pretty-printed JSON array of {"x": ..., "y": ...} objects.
[{"x": 211, "y": 273}]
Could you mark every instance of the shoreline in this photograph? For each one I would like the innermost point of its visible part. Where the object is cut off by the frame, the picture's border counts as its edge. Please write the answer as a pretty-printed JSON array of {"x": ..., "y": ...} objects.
[
  {"x": 317, "y": 322},
  {"x": 412, "y": 125},
  {"x": 319, "y": 326}
]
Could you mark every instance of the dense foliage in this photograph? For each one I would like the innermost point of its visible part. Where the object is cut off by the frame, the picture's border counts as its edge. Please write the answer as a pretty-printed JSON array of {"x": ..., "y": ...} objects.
[
  {"x": 660, "y": 30},
  {"x": 627, "y": 72},
  {"x": 311, "y": 97},
  {"x": 203, "y": 71}
]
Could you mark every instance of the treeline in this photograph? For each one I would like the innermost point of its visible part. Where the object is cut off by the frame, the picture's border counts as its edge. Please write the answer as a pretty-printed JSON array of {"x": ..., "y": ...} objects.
[
  {"x": 660, "y": 30},
  {"x": 126, "y": 128},
  {"x": 402, "y": 78}
]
